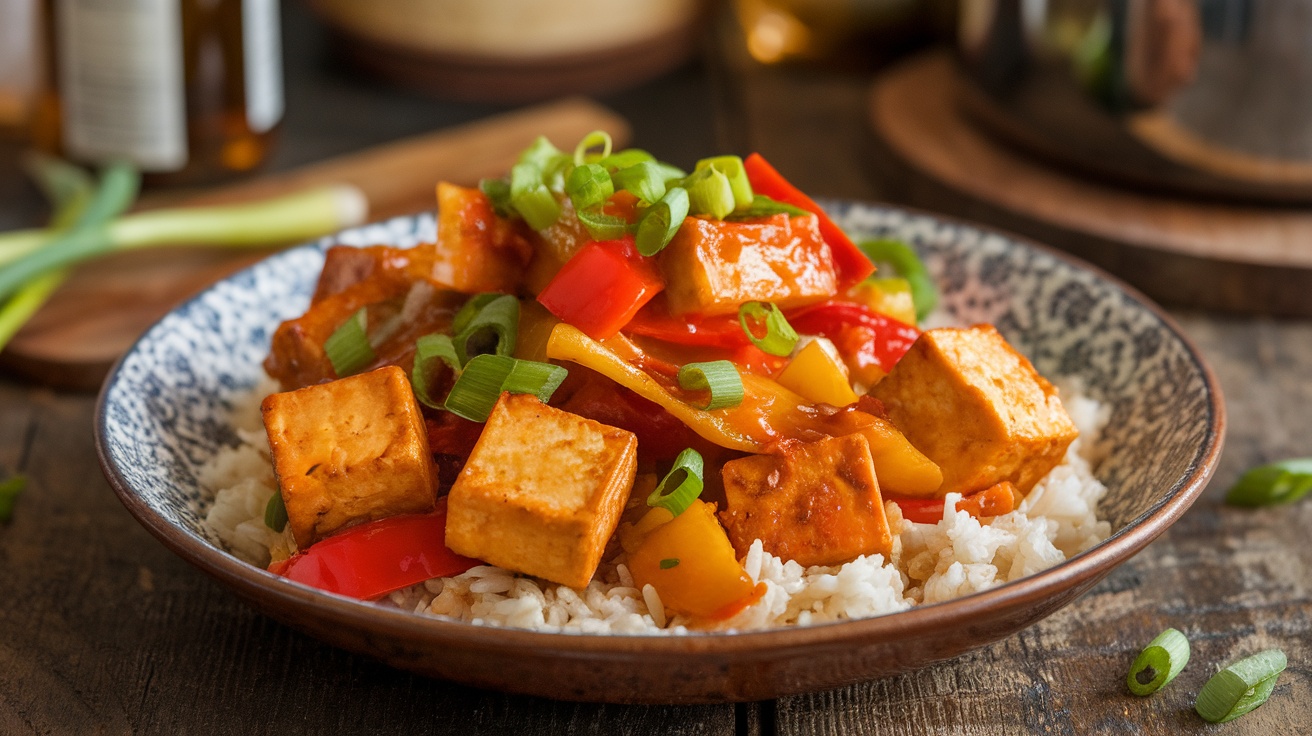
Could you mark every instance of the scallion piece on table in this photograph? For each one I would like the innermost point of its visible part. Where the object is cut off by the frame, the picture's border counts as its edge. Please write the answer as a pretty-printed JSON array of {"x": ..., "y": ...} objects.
[
  {"x": 732, "y": 169},
  {"x": 492, "y": 326},
  {"x": 1240, "y": 687},
  {"x": 602, "y": 226},
  {"x": 10, "y": 488},
  {"x": 645, "y": 180},
  {"x": 657, "y": 226},
  {"x": 431, "y": 351},
  {"x": 348, "y": 348},
  {"x": 596, "y": 139},
  {"x": 531, "y": 198},
  {"x": 710, "y": 193},
  {"x": 486, "y": 377},
  {"x": 1158, "y": 663},
  {"x": 907, "y": 264},
  {"x": 779, "y": 338},
  {"x": 720, "y": 377},
  {"x": 1282, "y": 482},
  {"x": 681, "y": 486},
  {"x": 588, "y": 186},
  {"x": 275, "y": 512}
]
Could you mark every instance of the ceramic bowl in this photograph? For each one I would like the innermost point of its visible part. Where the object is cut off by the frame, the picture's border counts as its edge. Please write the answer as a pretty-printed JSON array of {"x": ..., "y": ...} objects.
[{"x": 163, "y": 411}]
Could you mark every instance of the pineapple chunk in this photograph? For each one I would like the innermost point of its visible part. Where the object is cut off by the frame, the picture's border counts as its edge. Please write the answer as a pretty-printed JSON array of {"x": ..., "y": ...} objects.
[
  {"x": 816, "y": 504},
  {"x": 542, "y": 491},
  {"x": 977, "y": 408},
  {"x": 349, "y": 451}
]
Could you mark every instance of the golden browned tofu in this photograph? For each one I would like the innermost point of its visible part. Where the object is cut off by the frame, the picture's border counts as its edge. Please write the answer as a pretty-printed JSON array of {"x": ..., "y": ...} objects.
[
  {"x": 817, "y": 504},
  {"x": 977, "y": 408},
  {"x": 542, "y": 491},
  {"x": 476, "y": 250},
  {"x": 712, "y": 266},
  {"x": 349, "y": 451}
]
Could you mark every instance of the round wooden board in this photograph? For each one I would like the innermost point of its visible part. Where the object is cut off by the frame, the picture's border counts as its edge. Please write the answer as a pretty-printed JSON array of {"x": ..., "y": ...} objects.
[{"x": 1237, "y": 257}]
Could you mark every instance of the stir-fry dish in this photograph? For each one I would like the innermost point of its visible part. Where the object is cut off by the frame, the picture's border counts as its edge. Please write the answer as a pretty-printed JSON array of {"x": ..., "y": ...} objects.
[{"x": 612, "y": 377}]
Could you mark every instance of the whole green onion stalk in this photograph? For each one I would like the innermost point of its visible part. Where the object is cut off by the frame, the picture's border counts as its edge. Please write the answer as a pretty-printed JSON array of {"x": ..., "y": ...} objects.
[{"x": 86, "y": 225}]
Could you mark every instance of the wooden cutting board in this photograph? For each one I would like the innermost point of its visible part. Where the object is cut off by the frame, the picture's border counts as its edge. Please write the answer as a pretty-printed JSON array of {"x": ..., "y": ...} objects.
[
  {"x": 1181, "y": 251},
  {"x": 102, "y": 309}
]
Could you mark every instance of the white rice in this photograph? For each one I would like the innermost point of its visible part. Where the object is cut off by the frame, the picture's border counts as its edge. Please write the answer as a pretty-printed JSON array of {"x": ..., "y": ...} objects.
[{"x": 929, "y": 562}]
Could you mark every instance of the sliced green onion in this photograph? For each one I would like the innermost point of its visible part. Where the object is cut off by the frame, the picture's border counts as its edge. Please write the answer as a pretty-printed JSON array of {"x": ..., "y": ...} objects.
[
  {"x": 1282, "y": 482},
  {"x": 710, "y": 193},
  {"x": 275, "y": 513},
  {"x": 626, "y": 158},
  {"x": 602, "y": 226},
  {"x": 780, "y": 337},
  {"x": 531, "y": 198},
  {"x": 645, "y": 180},
  {"x": 657, "y": 226},
  {"x": 1158, "y": 663},
  {"x": 492, "y": 326},
  {"x": 1241, "y": 687},
  {"x": 720, "y": 377},
  {"x": 592, "y": 140},
  {"x": 532, "y": 377},
  {"x": 541, "y": 153},
  {"x": 907, "y": 264},
  {"x": 732, "y": 169},
  {"x": 684, "y": 484},
  {"x": 429, "y": 350},
  {"x": 588, "y": 186},
  {"x": 348, "y": 348},
  {"x": 498, "y": 193},
  {"x": 486, "y": 377},
  {"x": 471, "y": 308},
  {"x": 10, "y": 488},
  {"x": 669, "y": 562},
  {"x": 763, "y": 206}
]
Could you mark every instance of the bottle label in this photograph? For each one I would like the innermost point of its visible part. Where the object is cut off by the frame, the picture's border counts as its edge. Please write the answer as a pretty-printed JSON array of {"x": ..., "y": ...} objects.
[
  {"x": 262, "y": 49},
  {"x": 121, "y": 78}
]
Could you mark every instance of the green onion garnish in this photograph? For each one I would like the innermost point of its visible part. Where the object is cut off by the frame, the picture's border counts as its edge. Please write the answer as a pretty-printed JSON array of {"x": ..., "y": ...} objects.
[
  {"x": 684, "y": 482},
  {"x": 595, "y": 139},
  {"x": 542, "y": 154},
  {"x": 626, "y": 158},
  {"x": 720, "y": 377},
  {"x": 348, "y": 348},
  {"x": 531, "y": 198},
  {"x": 645, "y": 180},
  {"x": 429, "y": 350},
  {"x": 498, "y": 193},
  {"x": 779, "y": 338},
  {"x": 710, "y": 193},
  {"x": 1241, "y": 687},
  {"x": 489, "y": 323},
  {"x": 602, "y": 226},
  {"x": 763, "y": 206},
  {"x": 732, "y": 169},
  {"x": 588, "y": 186},
  {"x": 657, "y": 226},
  {"x": 1281, "y": 482},
  {"x": 907, "y": 264},
  {"x": 1158, "y": 663},
  {"x": 275, "y": 513},
  {"x": 10, "y": 488},
  {"x": 486, "y": 377},
  {"x": 669, "y": 562}
]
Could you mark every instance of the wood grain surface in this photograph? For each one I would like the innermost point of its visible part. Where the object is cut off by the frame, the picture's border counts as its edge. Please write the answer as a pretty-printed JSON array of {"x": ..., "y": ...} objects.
[{"x": 104, "y": 631}]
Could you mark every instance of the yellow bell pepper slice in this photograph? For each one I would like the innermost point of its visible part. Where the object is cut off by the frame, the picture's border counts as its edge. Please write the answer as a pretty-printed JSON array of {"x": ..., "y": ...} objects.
[
  {"x": 890, "y": 296},
  {"x": 818, "y": 373}
]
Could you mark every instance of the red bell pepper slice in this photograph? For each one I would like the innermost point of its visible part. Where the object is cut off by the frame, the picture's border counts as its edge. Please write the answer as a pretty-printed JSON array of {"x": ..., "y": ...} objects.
[
  {"x": 995, "y": 500},
  {"x": 602, "y": 287},
  {"x": 890, "y": 338},
  {"x": 655, "y": 321},
  {"x": 850, "y": 263},
  {"x": 374, "y": 559}
]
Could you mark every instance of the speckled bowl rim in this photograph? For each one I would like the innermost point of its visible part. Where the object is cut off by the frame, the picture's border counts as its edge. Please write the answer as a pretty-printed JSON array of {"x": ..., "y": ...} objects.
[{"x": 270, "y": 590}]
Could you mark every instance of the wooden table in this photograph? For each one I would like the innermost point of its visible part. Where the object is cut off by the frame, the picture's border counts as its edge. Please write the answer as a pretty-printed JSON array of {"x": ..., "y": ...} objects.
[{"x": 104, "y": 631}]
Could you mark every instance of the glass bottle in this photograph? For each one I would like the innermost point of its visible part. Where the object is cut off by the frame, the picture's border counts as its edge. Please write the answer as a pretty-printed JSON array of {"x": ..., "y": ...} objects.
[{"x": 189, "y": 90}]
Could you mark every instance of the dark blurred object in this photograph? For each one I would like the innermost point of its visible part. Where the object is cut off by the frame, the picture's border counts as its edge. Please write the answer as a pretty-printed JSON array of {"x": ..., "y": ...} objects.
[
  {"x": 1204, "y": 97},
  {"x": 514, "y": 50},
  {"x": 811, "y": 30},
  {"x": 17, "y": 64}
]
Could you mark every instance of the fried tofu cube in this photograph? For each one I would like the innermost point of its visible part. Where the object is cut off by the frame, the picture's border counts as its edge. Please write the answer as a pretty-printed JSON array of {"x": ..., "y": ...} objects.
[
  {"x": 476, "y": 250},
  {"x": 817, "y": 504},
  {"x": 542, "y": 491},
  {"x": 712, "y": 266},
  {"x": 349, "y": 451},
  {"x": 977, "y": 408}
]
